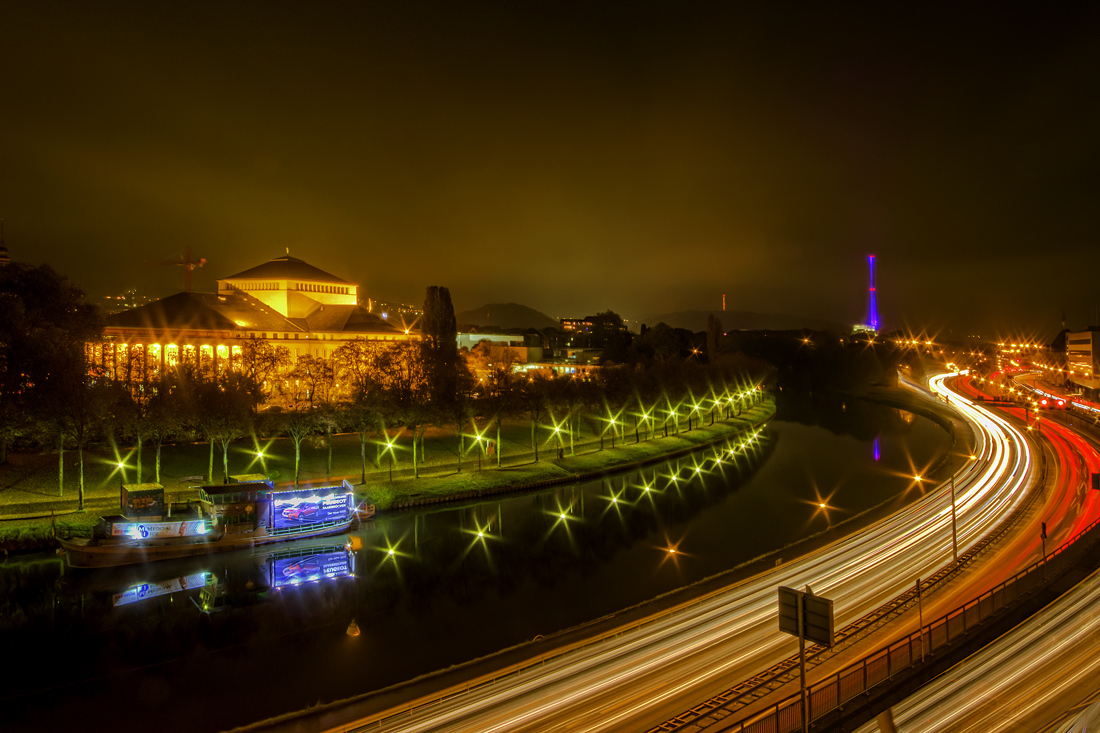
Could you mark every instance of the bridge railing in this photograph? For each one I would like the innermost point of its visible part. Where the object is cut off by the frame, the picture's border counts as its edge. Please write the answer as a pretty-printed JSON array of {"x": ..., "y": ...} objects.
[{"x": 837, "y": 689}]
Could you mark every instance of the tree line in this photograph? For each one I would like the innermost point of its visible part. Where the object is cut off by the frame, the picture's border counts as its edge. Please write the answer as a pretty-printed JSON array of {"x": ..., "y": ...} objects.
[{"x": 53, "y": 397}]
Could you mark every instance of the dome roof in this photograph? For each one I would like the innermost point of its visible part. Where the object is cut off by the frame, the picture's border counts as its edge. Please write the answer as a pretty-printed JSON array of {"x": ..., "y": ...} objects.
[{"x": 287, "y": 268}]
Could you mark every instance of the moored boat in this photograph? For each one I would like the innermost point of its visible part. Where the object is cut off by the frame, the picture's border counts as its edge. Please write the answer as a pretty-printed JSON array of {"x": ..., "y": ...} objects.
[{"x": 230, "y": 517}]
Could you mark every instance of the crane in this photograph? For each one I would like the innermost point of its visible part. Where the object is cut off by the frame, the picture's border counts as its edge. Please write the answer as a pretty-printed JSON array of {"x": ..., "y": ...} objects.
[{"x": 186, "y": 261}]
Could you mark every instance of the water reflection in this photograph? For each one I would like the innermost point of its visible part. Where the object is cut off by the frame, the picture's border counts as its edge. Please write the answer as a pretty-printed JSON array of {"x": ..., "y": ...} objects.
[
  {"x": 499, "y": 548},
  {"x": 426, "y": 590}
]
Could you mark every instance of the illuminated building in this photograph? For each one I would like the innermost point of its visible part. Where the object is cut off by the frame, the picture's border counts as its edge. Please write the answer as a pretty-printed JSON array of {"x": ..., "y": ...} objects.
[
  {"x": 577, "y": 325},
  {"x": 285, "y": 301},
  {"x": 124, "y": 301},
  {"x": 1081, "y": 361}
]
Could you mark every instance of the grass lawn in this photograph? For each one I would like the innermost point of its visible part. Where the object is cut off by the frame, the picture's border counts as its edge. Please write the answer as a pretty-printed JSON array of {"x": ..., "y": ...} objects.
[{"x": 29, "y": 483}]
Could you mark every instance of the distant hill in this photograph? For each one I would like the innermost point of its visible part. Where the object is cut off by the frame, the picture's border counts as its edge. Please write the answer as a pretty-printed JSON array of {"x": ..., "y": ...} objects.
[
  {"x": 737, "y": 320},
  {"x": 505, "y": 315}
]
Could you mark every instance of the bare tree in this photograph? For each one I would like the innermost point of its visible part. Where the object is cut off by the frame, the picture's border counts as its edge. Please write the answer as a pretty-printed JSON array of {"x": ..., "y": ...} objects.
[{"x": 298, "y": 425}]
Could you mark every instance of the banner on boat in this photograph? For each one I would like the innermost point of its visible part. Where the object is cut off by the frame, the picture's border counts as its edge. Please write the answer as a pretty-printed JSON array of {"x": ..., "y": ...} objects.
[
  {"x": 158, "y": 530},
  {"x": 298, "y": 511}
]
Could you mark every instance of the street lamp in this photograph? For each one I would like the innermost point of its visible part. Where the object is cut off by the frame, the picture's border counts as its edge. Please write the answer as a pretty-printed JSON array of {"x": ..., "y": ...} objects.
[{"x": 389, "y": 449}]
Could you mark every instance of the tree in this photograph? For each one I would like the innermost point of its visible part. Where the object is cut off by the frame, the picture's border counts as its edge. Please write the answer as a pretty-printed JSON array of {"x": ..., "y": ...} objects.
[
  {"x": 440, "y": 334},
  {"x": 298, "y": 425},
  {"x": 45, "y": 325},
  {"x": 660, "y": 343},
  {"x": 77, "y": 402},
  {"x": 406, "y": 397},
  {"x": 502, "y": 398},
  {"x": 90, "y": 405},
  {"x": 133, "y": 416},
  {"x": 714, "y": 334},
  {"x": 364, "y": 418},
  {"x": 328, "y": 420},
  {"x": 314, "y": 374},
  {"x": 360, "y": 370},
  {"x": 262, "y": 362},
  {"x": 225, "y": 414},
  {"x": 534, "y": 402},
  {"x": 165, "y": 414}
]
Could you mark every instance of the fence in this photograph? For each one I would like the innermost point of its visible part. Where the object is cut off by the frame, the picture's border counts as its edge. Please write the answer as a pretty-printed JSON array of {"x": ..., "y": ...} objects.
[{"x": 856, "y": 679}]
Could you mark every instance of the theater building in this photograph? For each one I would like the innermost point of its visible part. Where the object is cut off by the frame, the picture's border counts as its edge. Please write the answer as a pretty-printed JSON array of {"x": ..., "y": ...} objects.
[{"x": 285, "y": 301}]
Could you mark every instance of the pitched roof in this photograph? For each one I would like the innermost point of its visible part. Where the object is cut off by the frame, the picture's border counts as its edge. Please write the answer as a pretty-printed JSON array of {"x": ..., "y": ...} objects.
[
  {"x": 179, "y": 311},
  {"x": 241, "y": 312},
  {"x": 202, "y": 312},
  {"x": 346, "y": 319},
  {"x": 286, "y": 268}
]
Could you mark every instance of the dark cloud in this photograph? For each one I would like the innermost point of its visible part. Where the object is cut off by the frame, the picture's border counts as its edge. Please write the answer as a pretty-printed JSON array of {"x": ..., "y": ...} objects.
[{"x": 644, "y": 158}]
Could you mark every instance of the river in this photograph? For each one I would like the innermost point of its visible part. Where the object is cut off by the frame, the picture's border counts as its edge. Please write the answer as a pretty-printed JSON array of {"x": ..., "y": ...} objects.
[{"x": 133, "y": 647}]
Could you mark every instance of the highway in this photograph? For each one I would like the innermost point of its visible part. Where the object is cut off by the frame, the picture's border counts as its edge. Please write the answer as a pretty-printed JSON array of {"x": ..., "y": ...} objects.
[
  {"x": 1031, "y": 677},
  {"x": 1025, "y": 680},
  {"x": 641, "y": 677}
]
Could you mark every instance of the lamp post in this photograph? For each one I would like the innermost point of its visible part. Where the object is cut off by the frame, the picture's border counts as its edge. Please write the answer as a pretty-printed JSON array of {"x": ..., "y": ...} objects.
[{"x": 389, "y": 449}]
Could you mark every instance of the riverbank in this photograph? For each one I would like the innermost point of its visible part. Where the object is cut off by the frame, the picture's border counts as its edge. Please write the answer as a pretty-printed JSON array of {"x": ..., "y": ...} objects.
[
  {"x": 38, "y": 519},
  {"x": 590, "y": 463}
]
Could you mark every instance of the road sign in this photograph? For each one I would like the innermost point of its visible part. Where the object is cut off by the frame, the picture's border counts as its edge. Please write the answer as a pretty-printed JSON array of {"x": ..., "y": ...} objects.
[
  {"x": 817, "y": 615},
  {"x": 788, "y": 610},
  {"x": 806, "y": 616}
]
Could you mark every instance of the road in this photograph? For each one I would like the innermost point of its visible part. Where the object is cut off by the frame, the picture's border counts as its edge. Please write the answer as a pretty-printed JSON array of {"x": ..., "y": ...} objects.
[
  {"x": 1026, "y": 680},
  {"x": 1034, "y": 677},
  {"x": 641, "y": 677}
]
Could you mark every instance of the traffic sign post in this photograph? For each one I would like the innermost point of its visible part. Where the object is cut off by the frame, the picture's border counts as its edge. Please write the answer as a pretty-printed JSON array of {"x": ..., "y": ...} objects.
[{"x": 806, "y": 616}]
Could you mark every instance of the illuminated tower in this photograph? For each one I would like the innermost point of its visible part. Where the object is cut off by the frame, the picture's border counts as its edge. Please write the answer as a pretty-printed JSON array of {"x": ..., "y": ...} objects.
[{"x": 872, "y": 305}]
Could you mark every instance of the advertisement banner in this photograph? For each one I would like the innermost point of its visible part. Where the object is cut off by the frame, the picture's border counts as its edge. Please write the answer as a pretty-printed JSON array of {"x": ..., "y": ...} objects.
[
  {"x": 294, "y": 570},
  {"x": 302, "y": 511},
  {"x": 158, "y": 530},
  {"x": 142, "y": 591}
]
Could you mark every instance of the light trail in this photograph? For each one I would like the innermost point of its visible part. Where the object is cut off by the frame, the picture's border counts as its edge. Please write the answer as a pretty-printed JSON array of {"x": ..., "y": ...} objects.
[
  {"x": 1018, "y": 682},
  {"x": 1029, "y": 676},
  {"x": 638, "y": 678}
]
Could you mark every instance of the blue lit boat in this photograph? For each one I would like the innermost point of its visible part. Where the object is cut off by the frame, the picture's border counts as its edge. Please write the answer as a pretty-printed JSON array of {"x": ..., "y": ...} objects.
[{"x": 231, "y": 517}]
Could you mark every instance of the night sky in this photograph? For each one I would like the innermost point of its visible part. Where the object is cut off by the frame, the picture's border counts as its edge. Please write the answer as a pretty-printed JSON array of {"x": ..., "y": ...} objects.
[{"x": 571, "y": 157}]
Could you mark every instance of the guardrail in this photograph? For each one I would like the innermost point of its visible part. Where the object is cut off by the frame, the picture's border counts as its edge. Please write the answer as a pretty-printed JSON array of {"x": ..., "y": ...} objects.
[{"x": 858, "y": 678}]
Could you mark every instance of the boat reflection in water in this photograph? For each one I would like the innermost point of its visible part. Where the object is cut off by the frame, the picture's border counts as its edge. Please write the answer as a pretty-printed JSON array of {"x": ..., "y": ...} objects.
[
  {"x": 145, "y": 591},
  {"x": 305, "y": 563},
  {"x": 219, "y": 582}
]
